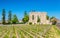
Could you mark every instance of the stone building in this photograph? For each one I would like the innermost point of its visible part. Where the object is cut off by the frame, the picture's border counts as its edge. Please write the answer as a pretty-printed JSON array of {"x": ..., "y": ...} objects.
[{"x": 33, "y": 17}]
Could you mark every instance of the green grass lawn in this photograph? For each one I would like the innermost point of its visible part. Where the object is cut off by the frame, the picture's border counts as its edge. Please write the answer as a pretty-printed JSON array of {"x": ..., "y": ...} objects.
[{"x": 27, "y": 31}]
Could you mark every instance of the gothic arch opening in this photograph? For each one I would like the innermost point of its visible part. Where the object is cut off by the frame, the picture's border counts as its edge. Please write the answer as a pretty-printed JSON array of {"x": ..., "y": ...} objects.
[
  {"x": 32, "y": 17},
  {"x": 38, "y": 19}
]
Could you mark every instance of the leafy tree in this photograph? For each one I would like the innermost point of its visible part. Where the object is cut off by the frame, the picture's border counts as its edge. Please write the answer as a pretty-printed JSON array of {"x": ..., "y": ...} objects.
[
  {"x": 3, "y": 16},
  {"x": 53, "y": 20},
  {"x": 26, "y": 17},
  {"x": 38, "y": 19},
  {"x": 47, "y": 17},
  {"x": 15, "y": 19},
  {"x": 9, "y": 17}
]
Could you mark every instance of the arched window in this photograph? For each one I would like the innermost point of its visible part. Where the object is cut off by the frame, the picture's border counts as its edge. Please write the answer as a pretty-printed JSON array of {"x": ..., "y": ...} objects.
[
  {"x": 38, "y": 19},
  {"x": 32, "y": 17}
]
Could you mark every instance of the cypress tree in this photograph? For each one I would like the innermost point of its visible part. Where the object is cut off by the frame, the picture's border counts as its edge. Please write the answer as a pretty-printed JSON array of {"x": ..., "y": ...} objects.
[
  {"x": 9, "y": 17},
  {"x": 3, "y": 16}
]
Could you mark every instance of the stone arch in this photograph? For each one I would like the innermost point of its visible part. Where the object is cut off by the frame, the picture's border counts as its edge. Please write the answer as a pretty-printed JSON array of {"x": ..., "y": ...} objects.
[
  {"x": 38, "y": 18},
  {"x": 42, "y": 17},
  {"x": 32, "y": 17}
]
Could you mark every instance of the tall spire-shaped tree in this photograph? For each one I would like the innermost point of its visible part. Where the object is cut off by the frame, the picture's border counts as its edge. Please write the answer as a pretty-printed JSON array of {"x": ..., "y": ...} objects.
[
  {"x": 3, "y": 16},
  {"x": 26, "y": 17},
  {"x": 9, "y": 17}
]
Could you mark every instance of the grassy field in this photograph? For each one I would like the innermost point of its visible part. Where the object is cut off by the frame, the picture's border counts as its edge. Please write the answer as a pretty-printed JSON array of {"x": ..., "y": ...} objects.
[
  {"x": 23, "y": 31},
  {"x": 27, "y": 31},
  {"x": 54, "y": 32}
]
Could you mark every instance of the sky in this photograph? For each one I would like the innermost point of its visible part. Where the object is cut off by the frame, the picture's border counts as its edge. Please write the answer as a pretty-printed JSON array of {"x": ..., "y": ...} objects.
[{"x": 52, "y": 7}]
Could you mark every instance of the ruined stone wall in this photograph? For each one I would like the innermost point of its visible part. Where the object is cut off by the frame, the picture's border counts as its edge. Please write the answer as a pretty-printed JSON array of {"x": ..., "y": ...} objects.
[{"x": 42, "y": 16}]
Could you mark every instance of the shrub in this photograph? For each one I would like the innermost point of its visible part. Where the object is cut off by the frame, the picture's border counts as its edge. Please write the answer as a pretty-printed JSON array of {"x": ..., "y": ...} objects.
[
  {"x": 54, "y": 23},
  {"x": 30, "y": 23},
  {"x": 6, "y": 36},
  {"x": 14, "y": 37},
  {"x": 20, "y": 23}
]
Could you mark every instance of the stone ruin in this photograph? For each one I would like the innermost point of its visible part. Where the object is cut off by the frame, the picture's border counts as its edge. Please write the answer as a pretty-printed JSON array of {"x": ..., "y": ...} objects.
[{"x": 42, "y": 15}]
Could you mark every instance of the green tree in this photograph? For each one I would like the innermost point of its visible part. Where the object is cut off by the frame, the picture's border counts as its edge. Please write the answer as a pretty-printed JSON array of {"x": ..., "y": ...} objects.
[
  {"x": 26, "y": 17},
  {"x": 15, "y": 19},
  {"x": 9, "y": 17},
  {"x": 52, "y": 17},
  {"x": 3, "y": 16},
  {"x": 53, "y": 20},
  {"x": 38, "y": 19},
  {"x": 47, "y": 17}
]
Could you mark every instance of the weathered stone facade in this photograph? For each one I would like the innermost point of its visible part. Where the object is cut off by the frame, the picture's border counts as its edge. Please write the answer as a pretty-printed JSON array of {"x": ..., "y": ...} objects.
[{"x": 42, "y": 16}]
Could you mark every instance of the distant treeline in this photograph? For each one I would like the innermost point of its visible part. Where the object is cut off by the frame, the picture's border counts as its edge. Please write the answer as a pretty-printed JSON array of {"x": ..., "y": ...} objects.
[{"x": 12, "y": 19}]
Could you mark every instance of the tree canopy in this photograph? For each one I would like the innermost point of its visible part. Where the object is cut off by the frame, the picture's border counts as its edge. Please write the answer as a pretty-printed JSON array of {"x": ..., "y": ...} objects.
[
  {"x": 9, "y": 17},
  {"x": 3, "y": 16},
  {"x": 47, "y": 17},
  {"x": 53, "y": 20},
  {"x": 26, "y": 17},
  {"x": 14, "y": 19}
]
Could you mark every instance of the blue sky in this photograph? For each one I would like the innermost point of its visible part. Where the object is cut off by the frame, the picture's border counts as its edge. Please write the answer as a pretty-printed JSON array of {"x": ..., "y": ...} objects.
[{"x": 52, "y": 7}]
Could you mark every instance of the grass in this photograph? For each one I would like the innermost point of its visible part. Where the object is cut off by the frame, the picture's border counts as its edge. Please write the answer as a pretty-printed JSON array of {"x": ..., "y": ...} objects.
[
  {"x": 29, "y": 31},
  {"x": 54, "y": 32}
]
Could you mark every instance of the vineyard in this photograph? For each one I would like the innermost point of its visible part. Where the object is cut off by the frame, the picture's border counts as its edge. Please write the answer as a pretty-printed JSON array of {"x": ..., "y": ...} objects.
[
  {"x": 54, "y": 32},
  {"x": 23, "y": 31}
]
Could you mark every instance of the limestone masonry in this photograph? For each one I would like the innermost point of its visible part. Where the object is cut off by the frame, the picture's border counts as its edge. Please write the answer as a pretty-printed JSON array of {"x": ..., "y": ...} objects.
[{"x": 42, "y": 15}]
